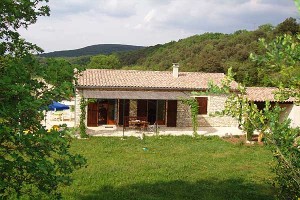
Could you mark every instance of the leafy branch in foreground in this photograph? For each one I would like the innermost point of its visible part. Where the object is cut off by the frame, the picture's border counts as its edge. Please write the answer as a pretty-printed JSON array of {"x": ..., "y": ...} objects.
[
  {"x": 283, "y": 140},
  {"x": 34, "y": 162},
  {"x": 283, "y": 53},
  {"x": 15, "y": 14},
  {"x": 280, "y": 65}
]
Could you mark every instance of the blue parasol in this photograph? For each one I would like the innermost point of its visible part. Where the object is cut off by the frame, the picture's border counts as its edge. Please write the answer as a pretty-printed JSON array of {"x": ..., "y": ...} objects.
[{"x": 57, "y": 106}]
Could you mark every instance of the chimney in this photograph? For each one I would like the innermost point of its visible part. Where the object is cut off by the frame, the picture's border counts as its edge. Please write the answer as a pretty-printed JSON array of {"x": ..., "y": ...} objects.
[{"x": 175, "y": 70}]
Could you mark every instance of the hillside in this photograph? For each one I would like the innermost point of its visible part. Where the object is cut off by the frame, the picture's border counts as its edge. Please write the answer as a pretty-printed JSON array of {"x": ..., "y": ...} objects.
[
  {"x": 92, "y": 50},
  {"x": 211, "y": 52},
  {"x": 208, "y": 52}
]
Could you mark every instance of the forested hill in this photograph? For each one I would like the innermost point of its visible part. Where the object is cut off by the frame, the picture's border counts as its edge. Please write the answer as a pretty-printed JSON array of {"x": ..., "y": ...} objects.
[
  {"x": 211, "y": 52},
  {"x": 208, "y": 52},
  {"x": 93, "y": 50}
]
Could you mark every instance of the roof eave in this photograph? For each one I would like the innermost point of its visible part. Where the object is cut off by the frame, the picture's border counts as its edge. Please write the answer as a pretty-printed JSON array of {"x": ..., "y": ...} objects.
[
  {"x": 137, "y": 88},
  {"x": 144, "y": 88}
]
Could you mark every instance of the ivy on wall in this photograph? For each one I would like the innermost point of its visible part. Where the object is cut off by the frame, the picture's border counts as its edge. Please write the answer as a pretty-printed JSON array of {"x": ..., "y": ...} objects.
[
  {"x": 194, "y": 113},
  {"x": 82, "y": 125}
]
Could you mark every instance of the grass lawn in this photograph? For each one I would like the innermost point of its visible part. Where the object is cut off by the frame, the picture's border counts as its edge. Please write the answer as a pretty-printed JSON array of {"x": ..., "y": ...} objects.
[{"x": 170, "y": 168}]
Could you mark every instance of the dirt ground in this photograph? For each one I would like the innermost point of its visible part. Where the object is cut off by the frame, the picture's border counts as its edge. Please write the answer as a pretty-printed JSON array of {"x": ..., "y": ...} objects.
[{"x": 241, "y": 139}]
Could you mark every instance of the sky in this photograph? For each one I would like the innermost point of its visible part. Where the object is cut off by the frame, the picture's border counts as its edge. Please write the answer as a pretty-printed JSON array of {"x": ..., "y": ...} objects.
[{"x": 75, "y": 24}]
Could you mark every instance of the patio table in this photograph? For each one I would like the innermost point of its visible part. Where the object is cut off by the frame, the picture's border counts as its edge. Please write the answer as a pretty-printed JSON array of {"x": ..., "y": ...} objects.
[{"x": 138, "y": 124}]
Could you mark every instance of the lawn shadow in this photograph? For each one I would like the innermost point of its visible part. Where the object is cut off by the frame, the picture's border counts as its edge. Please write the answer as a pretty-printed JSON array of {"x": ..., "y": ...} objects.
[{"x": 178, "y": 190}]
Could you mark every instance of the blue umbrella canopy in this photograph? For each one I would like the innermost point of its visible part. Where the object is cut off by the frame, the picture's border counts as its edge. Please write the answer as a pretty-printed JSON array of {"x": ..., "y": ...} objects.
[{"x": 57, "y": 106}]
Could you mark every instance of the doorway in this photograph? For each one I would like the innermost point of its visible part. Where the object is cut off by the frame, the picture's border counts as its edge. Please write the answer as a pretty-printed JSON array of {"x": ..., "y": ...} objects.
[
  {"x": 101, "y": 112},
  {"x": 172, "y": 113},
  {"x": 154, "y": 110},
  {"x": 123, "y": 111}
]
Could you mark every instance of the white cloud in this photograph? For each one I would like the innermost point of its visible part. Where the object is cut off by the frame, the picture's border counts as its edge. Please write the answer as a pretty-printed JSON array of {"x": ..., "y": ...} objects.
[
  {"x": 219, "y": 15},
  {"x": 116, "y": 8},
  {"x": 149, "y": 16},
  {"x": 77, "y": 23}
]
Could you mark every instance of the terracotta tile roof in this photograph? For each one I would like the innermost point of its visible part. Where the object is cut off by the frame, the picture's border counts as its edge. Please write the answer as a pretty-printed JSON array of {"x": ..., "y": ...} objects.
[
  {"x": 105, "y": 78},
  {"x": 263, "y": 94}
]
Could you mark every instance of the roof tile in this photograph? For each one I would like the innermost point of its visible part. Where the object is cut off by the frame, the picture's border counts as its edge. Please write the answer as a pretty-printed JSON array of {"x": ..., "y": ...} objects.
[
  {"x": 148, "y": 79},
  {"x": 263, "y": 94}
]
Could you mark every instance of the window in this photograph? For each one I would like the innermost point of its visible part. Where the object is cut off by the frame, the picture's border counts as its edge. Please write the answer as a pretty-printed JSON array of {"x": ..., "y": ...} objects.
[{"x": 202, "y": 105}]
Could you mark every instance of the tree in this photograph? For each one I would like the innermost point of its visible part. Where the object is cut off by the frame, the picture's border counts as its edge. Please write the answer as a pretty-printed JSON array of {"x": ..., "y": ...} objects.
[
  {"x": 288, "y": 26},
  {"x": 59, "y": 73},
  {"x": 15, "y": 14},
  {"x": 282, "y": 139},
  {"x": 33, "y": 161},
  {"x": 104, "y": 62},
  {"x": 281, "y": 61},
  {"x": 281, "y": 58},
  {"x": 280, "y": 65}
]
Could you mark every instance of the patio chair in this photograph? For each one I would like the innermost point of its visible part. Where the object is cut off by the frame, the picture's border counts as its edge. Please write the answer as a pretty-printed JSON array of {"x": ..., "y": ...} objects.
[
  {"x": 56, "y": 116},
  {"x": 66, "y": 116},
  {"x": 152, "y": 127}
]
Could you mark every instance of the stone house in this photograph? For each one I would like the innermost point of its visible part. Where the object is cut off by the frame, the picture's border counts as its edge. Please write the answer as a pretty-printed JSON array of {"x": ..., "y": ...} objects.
[
  {"x": 259, "y": 95},
  {"x": 155, "y": 96}
]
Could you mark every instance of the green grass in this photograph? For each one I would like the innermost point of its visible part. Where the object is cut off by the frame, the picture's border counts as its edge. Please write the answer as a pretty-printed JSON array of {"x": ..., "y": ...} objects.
[{"x": 170, "y": 168}]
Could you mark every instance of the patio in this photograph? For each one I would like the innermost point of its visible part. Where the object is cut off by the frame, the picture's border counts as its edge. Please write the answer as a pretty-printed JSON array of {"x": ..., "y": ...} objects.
[
  {"x": 58, "y": 118},
  {"x": 163, "y": 130}
]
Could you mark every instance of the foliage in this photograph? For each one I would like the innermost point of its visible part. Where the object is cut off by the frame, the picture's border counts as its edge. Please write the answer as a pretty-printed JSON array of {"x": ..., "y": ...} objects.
[
  {"x": 194, "y": 113},
  {"x": 246, "y": 112},
  {"x": 283, "y": 54},
  {"x": 33, "y": 162},
  {"x": 288, "y": 26},
  {"x": 211, "y": 52},
  {"x": 208, "y": 52},
  {"x": 59, "y": 73},
  {"x": 285, "y": 144},
  {"x": 237, "y": 105},
  {"x": 297, "y": 3},
  {"x": 105, "y": 49},
  {"x": 104, "y": 62},
  {"x": 80, "y": 60},
  {"x": 82, "y": 126},
  {"x": 281, "y": 137},
  {"x": 224, "y": 88},
  {"x": 280, "y": 65},
  {"x": 13, "y": 15},
  {"x": 172, "y": 167},
  {"x": 136, "y": 67}
]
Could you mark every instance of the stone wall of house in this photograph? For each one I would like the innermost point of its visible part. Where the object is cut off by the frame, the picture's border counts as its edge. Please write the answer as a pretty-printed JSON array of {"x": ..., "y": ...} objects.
[
  {"x": 184, "y": 118},
  {"x": 78, "y": 97},
  {"x": 215, "y": 103}
]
